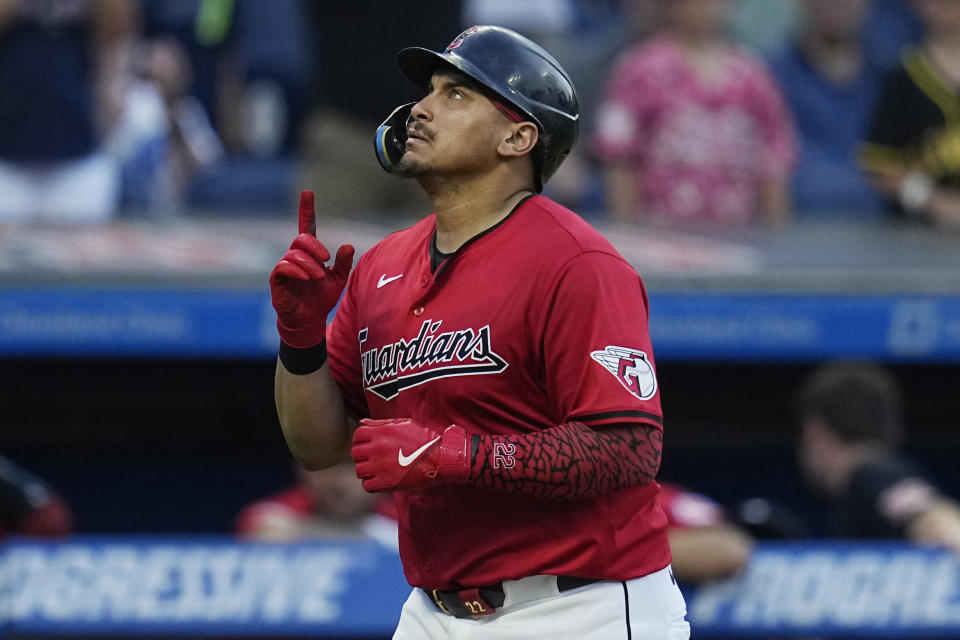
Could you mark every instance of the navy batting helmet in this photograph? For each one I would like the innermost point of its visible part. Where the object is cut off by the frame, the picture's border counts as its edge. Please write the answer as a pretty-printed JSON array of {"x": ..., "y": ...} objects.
[{"x": 514, "y": 68}]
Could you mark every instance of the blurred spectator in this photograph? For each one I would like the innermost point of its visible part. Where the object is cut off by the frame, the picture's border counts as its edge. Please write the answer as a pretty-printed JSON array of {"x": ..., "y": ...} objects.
[
  {"x": 892, "y": 25},
  {"x": 28, "y": 506},
  {"x": 534, "y": 17},
  {"x": 356, "y": 87},
  {"x": 276, "y": 66},
  {"x": 851, "y": 425},
  {"x": 765, "y": 518},
  {"x": 61, "y": 70},
  {"x": 329, "y": 503},
  {"x": 251, "y": 64},
  {"x": 693, "y": 128},
  {"x": 704, "y": 543},
  {"x": 640, "y": 19},
  {"x": 763, "y": 26},
  {"x": 164, "y": 135},
  {"x": 913, "y": 148},
  {"x": 831, "y": 85},
  {"x": 207, "y": 40}
]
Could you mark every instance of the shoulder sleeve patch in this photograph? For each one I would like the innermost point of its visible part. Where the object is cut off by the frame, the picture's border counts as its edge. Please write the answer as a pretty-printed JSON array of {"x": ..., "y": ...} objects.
[{"x": 631, "y": 367}]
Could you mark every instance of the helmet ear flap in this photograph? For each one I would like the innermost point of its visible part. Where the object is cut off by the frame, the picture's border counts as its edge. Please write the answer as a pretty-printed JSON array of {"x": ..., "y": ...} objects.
[{"x": 391, "y": 137}]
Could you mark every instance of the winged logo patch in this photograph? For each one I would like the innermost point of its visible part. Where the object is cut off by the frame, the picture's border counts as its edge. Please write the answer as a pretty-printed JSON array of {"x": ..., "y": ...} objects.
[{"x": 631, "y": 367}]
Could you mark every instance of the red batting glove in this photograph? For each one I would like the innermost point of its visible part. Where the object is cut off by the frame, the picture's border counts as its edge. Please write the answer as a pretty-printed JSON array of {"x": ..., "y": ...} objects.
[
  {"x": 400, "y": 454},
  {"x": 303, "y": 289}
]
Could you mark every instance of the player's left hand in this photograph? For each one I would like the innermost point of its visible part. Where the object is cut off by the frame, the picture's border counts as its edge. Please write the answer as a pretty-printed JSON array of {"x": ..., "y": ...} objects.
[{"x": 400, "y": 454}]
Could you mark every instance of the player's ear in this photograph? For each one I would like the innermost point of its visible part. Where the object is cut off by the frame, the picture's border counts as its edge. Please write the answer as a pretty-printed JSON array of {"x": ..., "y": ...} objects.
[{"x": 520, "y": 139}]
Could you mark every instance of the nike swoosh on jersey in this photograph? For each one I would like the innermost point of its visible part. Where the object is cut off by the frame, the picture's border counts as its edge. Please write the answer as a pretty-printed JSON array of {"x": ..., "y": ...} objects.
[
  {"x": 406, "y": 461},
  {"x": 385, "y": 280}
]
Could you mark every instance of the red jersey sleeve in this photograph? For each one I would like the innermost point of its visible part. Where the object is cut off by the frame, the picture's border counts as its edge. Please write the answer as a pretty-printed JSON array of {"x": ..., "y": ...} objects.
[
  {"x": 343, "y": 349},
  {"x": 597, "y": 356}
]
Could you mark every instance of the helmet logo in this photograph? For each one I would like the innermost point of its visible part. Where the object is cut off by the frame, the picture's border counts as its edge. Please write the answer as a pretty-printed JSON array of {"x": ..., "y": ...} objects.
[{"x": 459, "y": 39}]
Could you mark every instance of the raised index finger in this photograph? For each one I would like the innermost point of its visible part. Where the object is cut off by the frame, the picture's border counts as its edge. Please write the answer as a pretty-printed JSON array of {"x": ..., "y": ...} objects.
[{"x": 308, "y": 215}]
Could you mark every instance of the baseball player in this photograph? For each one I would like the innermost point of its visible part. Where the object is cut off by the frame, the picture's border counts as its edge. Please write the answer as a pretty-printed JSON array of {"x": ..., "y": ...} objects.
[{"x": 497, "y": 359}]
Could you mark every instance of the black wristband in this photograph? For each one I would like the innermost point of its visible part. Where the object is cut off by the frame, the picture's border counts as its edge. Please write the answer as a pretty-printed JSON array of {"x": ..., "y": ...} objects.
[{"x": 300, "y": 362}]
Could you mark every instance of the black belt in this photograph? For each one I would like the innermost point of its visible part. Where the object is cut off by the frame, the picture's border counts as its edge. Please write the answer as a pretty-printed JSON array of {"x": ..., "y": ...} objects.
[{"x": 482, "y": 601}]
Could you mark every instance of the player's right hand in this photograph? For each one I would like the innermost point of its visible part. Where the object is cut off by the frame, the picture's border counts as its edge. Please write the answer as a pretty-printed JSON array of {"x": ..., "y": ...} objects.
[
  {"x": 303, "y": 289},
  {"x": 399, "y": 454}
]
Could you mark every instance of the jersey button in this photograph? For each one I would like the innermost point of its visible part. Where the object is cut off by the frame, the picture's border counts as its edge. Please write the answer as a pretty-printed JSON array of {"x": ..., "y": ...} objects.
[
  {"x": 424, "y": 280},
  {"x": 418, "y": 311}
]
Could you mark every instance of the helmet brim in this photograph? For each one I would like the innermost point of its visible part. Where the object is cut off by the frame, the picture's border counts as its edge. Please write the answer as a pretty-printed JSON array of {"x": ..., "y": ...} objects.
[{"x": 420, "y": 64}]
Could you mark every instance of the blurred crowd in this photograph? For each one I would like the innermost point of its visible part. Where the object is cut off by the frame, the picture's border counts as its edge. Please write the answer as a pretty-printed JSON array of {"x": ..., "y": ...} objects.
[{"x": 716, "y": 112}]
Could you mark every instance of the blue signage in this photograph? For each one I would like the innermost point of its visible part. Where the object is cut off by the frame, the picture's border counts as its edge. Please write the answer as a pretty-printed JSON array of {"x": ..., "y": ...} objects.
[
  {"x": 195, "y": 586},
  {"x": 139, "y": 322},
  {"x": 806, "y": 589},
  {"x": 115, "y": 586},
  {"x": 226, "y": 323},
  {"x": 762, "y": 327}
]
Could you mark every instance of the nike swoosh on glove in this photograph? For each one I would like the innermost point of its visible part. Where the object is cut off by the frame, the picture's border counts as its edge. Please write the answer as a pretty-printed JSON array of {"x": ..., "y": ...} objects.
[{"x": 400, "y": 454}]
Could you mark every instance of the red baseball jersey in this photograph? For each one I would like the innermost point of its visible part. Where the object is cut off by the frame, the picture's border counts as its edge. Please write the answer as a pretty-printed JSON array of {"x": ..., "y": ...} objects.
[{"x": 536, "y": 322}]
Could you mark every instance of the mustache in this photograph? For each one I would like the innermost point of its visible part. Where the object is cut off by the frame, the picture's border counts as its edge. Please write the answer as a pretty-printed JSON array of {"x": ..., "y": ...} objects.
[{"x": 421, "y": 129}]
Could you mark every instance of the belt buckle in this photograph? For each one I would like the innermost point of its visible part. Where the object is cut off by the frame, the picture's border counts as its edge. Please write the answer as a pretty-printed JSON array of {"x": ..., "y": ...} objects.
[{"x": 437, "y": 601}]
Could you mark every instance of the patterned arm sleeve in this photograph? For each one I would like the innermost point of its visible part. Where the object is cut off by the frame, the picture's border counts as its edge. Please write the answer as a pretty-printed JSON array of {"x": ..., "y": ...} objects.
[{"x": 568, "y": 461}]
